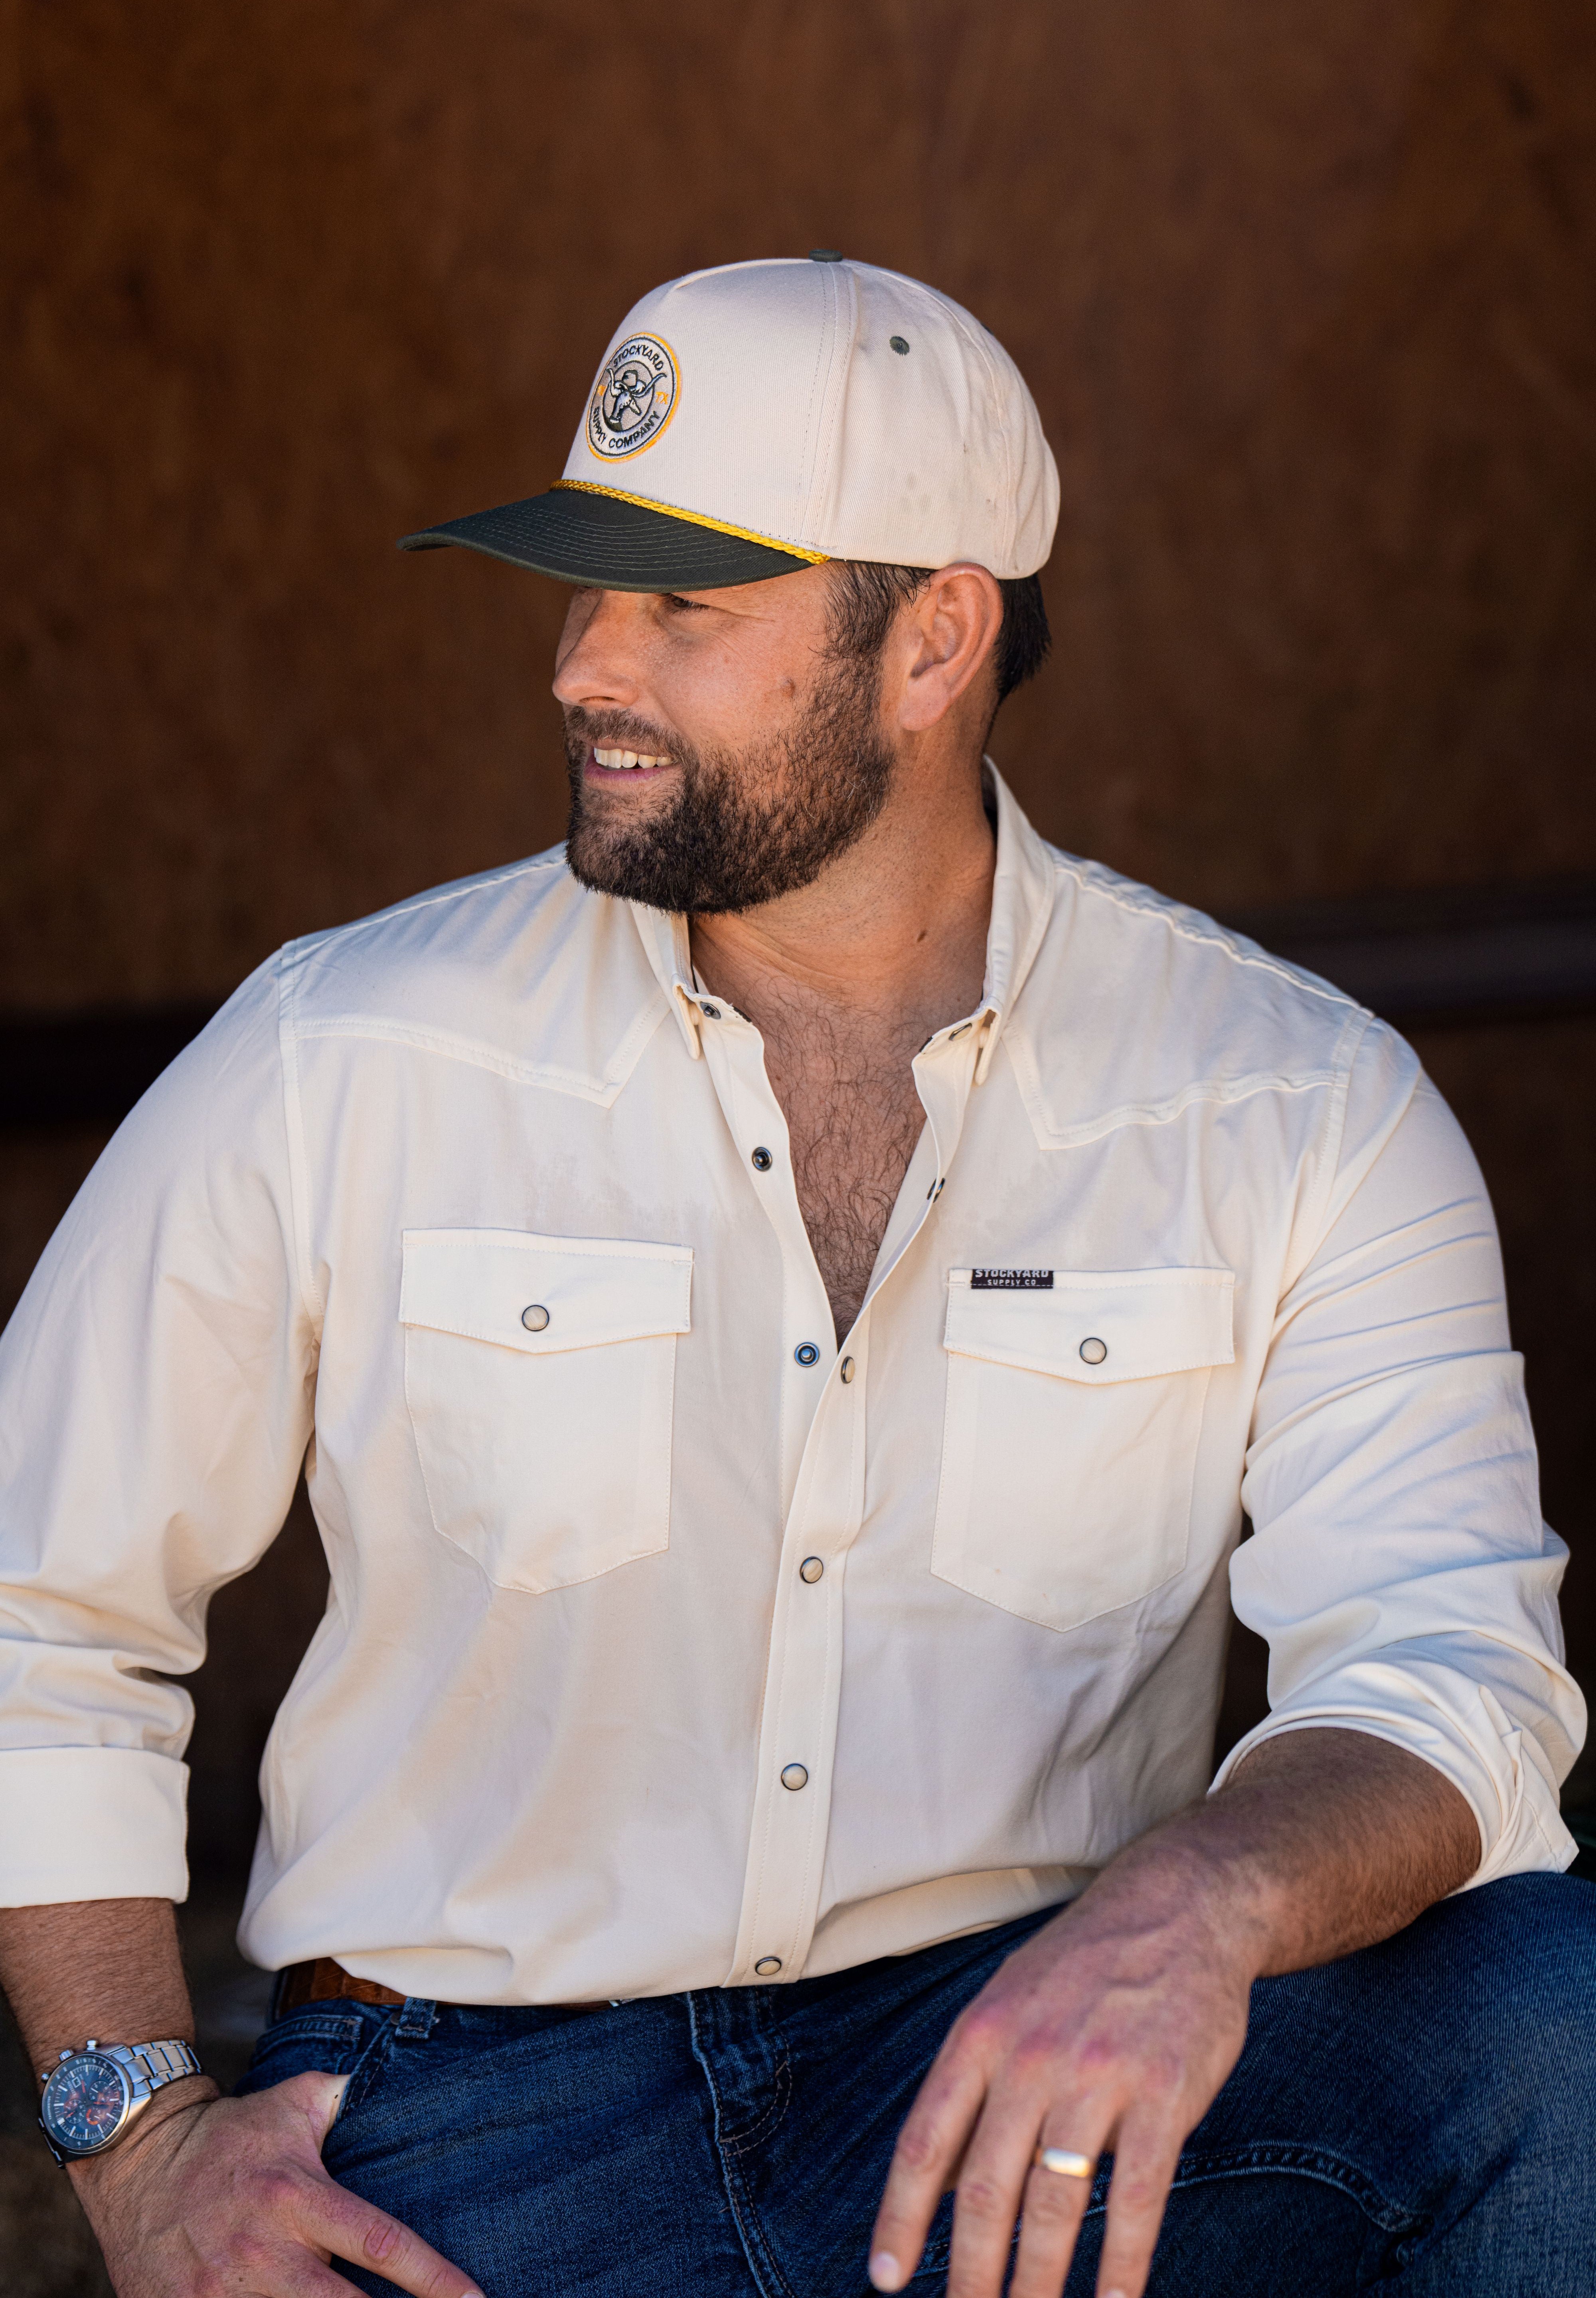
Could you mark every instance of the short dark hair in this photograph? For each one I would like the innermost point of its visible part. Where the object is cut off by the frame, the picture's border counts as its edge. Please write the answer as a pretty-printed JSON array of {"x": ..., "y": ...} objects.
[{"x": 865, "y": 596}]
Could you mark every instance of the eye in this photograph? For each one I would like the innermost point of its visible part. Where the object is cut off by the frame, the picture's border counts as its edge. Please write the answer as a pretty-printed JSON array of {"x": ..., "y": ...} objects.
[{"x": 681, "y": 606}]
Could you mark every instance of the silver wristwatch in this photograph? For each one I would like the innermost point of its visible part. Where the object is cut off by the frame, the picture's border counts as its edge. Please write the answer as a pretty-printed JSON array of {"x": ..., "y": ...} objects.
[{"x": 94, "y": 2097}]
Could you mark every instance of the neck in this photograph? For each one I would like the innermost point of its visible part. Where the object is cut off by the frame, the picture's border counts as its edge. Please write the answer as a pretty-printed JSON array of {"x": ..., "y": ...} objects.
[{"x": 890, "y": 937}]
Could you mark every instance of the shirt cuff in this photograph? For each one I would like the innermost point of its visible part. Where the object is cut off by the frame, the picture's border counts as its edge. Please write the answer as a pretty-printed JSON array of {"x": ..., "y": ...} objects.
[
  {"x": 1461, "y": 1728},
  {"x": 91, "y": 1824}
]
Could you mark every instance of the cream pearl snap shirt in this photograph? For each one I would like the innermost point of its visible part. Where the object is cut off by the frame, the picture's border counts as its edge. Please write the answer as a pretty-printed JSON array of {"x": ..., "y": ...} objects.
[{"x": 669, "y": 1643}]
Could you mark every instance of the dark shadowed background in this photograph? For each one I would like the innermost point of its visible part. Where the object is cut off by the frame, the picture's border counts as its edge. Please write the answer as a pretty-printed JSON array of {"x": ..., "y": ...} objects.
[{"x": 1305, "y": 296}]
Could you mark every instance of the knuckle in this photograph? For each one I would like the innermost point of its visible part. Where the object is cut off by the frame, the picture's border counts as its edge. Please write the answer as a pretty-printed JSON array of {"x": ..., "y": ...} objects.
[
  {"x": 381, "y": 2239},
  {"x": 984, "y": 2027},
  {"x": 917, "y": 2148},
  {"x": 1052, "y": 2200},
  {"x": 275, "y": 2188},
  {"x": 251, "y": 2247},
  {"x": 1034, "y": 2054},
  {"x": 1137, "y": 2195},
  {"x": 1097, "y": 2052},
  {"x": 981, "y": 2198},
  {"x": 1161, "y": 2076}
]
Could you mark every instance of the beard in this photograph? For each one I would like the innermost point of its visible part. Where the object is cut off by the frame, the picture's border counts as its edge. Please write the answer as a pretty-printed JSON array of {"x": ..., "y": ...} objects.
[{"x": 745, "y": 826}]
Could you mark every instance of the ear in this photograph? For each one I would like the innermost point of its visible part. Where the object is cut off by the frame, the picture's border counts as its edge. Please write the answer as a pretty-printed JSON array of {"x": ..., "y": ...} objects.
[{"x": 947, "y": 637}]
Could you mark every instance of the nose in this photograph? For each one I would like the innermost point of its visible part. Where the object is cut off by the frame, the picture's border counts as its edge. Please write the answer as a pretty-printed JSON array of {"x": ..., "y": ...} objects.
[{"x": 600, "y": 657}]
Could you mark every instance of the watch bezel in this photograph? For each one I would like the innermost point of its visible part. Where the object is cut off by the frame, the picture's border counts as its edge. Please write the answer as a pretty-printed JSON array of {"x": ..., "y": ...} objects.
[{"x": 52, "y": 2129}]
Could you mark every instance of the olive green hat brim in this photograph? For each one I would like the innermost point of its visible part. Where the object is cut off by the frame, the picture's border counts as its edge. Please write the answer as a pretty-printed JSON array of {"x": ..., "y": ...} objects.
[{"x": 605, "y": 542}]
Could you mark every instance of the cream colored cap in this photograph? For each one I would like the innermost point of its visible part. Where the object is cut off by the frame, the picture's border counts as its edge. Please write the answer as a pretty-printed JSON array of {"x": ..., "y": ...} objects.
[{"x": 761, "y": 416}]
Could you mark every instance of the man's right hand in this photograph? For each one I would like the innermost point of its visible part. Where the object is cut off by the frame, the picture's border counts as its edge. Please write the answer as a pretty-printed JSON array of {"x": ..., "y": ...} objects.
[{"x": 227, "y": 2198}]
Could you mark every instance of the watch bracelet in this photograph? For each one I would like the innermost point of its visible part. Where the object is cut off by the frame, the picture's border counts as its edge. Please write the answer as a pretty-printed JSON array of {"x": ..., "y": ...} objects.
[{"x": 150, "y": 2067}]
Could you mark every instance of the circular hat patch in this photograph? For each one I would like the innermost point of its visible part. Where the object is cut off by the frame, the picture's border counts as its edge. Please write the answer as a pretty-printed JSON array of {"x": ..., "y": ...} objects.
[{"x": 634, "y": 398}]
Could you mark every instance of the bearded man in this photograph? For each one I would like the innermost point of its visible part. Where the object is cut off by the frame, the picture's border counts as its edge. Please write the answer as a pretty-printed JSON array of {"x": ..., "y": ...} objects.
[{"x": 782, "y": 1310}]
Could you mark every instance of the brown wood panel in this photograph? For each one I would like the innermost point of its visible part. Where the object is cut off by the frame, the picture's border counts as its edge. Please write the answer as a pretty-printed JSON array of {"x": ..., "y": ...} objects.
[{"x": 1304, "y": 293}]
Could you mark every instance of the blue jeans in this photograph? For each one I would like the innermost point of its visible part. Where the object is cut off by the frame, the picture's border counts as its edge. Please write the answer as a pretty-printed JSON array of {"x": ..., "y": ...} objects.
[{"x": 1421, "y": 2116}]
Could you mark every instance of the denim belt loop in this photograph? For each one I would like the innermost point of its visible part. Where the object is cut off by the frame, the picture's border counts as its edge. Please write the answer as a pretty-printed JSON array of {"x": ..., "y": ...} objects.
[{"x": 416, "y": 2019}]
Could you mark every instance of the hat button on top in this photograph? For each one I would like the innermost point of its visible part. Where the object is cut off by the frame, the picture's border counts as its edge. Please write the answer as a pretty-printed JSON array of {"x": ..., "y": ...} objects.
[
  {"x": 826, "y": 255},
  {"x": 536, "y": 1318}
]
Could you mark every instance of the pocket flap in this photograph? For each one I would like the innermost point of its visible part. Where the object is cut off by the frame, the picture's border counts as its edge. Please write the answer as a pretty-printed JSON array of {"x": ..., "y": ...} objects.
[
  {"x": 481, "y": 1283},
  {"x": 1144, "y": 1321}
]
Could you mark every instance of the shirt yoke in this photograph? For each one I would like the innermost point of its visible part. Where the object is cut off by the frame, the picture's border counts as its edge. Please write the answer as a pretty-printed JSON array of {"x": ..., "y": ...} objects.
[
  {"x": 1139, "y": 1008},
  {"x": 521, "y": 972}
]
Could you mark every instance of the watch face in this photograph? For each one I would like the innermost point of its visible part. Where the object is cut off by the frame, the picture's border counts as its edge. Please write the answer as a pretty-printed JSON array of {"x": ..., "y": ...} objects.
[{"x": 84, "y": 2102}]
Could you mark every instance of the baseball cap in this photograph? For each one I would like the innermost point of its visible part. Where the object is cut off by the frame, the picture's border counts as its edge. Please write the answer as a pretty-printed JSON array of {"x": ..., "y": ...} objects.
[{"x": 759, "y": 418}]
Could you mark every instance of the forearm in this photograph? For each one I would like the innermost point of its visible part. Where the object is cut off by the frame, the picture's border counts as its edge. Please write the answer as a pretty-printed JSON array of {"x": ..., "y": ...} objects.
[
  {"x": 1323, "y": 1841},
  {"x": 109, "y": 1968}
]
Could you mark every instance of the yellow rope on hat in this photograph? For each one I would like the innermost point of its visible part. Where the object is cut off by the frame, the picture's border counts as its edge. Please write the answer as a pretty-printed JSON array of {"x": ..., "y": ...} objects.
[{"x": 694, "y": 518}]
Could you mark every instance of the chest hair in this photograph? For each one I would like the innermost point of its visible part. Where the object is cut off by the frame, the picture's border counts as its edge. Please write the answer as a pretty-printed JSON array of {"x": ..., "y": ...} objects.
[{"x": 853, "y": 1120}]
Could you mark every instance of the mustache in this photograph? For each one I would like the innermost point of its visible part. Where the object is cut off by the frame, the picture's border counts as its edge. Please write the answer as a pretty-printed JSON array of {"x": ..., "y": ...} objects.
[{"x": 620, "y": 730}]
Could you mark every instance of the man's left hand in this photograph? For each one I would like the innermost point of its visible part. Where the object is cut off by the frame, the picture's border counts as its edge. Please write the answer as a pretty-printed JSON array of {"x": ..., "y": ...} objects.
[{"x": 1113, "y": 2029}]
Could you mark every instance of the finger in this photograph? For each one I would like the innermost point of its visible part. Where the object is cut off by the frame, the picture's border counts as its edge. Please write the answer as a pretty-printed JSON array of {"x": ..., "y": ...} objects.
[
  {"x": 311, "y": 2100},
  {"x": 299, "y": 2274},
  {"x": 991, "y": 2185},
  {"x": 924, "y": 2164},
  {"x": 333, "y": 2219},
  {"x": 1145, "y": 2153},
  {"x": 1054, "y": 2205}
]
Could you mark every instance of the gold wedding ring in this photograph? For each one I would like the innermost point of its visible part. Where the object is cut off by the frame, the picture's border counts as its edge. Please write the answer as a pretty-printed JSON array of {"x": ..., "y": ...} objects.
[{"x": 1064, "y": 2162}]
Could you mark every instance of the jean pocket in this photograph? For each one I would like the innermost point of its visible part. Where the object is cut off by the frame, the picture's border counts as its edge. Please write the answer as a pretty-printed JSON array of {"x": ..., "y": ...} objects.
[{"x": 313, "y": 2040}]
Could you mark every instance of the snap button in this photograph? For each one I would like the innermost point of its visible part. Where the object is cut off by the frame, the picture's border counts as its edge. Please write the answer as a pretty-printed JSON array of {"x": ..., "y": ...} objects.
[
  {"x": 810, "y": 1570},
  {"x": 711, "y": 1012},
  {"x": 768, "y": 1965},
  {"x": 899, "y": 344},
  {"x": 846, "y": 1369},
  {"x": 795, "y": 1777},
  {"x": 763, "y": 1161},
  {"x": 1093, "y": 1351},
  {"x": 536, "y": 1318},
  {"x": 805, "y": 1353}
]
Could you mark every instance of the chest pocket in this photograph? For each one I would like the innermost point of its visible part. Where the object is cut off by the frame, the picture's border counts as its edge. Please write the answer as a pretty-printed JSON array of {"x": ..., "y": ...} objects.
[
  {"x": 1071, "y": 1440},
  {"x": 538, "y": 1373}
]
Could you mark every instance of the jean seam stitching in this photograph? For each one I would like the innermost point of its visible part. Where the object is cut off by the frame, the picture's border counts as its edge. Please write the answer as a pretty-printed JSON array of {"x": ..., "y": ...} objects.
[
  {"x": 755, "y": 2241},
  {"x": 1293, "y": 2158},
  {"x": 372, "y": 2058},
  {"x": 743, "y": 2141}
]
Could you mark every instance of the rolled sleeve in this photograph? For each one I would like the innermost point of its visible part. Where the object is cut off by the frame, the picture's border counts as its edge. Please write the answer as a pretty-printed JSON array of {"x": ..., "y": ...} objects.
[
  {"x": 1399, "y": 1568},
  {"x": 154, "y": 1410}
]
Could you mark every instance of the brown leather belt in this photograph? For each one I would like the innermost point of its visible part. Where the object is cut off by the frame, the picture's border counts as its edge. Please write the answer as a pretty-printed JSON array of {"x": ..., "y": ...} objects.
[{"x": 325, "y": 1980}]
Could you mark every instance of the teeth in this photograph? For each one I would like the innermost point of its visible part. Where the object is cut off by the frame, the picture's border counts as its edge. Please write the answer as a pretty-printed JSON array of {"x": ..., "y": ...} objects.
[{"x": 625, "y": 759}]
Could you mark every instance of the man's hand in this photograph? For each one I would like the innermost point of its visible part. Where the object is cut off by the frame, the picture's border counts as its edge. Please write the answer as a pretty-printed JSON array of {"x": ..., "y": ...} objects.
[
  {"x": 204, "y": 2195},
  {"x": 229, "y": 2195},
  {"x": 1114, "y": 2027}
]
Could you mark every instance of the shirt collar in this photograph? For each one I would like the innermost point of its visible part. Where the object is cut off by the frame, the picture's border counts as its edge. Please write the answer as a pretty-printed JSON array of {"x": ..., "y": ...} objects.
[{"x": 1022, "y": 889}]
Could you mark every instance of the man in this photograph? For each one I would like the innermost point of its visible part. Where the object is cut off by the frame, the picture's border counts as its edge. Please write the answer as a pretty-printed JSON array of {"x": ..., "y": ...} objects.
[{"x": 786, "y": 1313}]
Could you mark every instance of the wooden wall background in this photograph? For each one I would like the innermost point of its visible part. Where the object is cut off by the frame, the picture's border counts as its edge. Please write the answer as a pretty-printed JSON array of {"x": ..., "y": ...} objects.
[{"x": 1304, "y": 293}]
